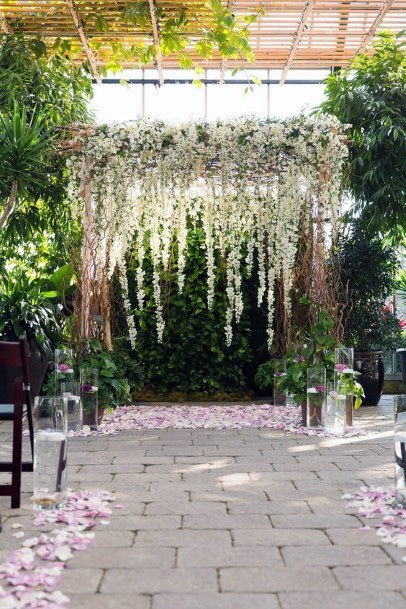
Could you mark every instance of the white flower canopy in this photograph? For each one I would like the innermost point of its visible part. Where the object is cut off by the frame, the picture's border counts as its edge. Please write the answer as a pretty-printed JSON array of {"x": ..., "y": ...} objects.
[{"x": 249, "y": 183}]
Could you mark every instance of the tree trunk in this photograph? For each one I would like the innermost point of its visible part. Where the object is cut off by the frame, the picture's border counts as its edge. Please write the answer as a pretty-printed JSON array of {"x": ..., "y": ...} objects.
[{"x": 10, "y": 204}]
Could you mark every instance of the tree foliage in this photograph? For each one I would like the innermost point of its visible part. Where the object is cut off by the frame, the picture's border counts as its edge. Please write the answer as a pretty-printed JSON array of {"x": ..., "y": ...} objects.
[
  {"x": 367, "y": 271},
  {"x": 371, "y": 97},
  {"x": 39, "y": 93},
  {"x": 201, "y": 30}
]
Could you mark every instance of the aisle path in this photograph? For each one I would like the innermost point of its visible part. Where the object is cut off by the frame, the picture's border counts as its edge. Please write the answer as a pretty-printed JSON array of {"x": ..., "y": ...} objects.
[{"x": 232, "y": 519}]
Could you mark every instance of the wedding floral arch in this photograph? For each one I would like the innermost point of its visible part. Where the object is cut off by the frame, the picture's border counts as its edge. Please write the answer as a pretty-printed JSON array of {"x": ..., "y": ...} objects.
[{"x": 250, "y": 182}]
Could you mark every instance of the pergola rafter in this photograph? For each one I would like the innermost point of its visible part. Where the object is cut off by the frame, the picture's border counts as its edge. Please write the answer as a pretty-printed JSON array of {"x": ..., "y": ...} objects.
[
  {"x": 297, "y": 38},
  {"x": 82, "y": 35},
  {"x": 387, "y": 5}
]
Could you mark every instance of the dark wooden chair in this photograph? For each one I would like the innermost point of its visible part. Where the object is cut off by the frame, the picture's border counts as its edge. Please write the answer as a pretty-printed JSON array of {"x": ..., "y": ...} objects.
[{"x": 15, "y": 355}]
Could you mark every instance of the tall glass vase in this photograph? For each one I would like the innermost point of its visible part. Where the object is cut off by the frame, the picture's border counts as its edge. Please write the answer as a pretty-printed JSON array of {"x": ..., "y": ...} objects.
[
  {"x": 316, "y": 397},
  {"x": 50, "y": 450},
  {"x": 400, "y": 448},
  {"x": 64, "y": 368},
  {"x": 344, "y": 379},
  {"x": 279, "y": 370}
]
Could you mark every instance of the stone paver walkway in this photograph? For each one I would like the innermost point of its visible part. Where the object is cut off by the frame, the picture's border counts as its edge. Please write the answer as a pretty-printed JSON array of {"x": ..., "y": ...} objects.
[{"x": 248, "y": 519}]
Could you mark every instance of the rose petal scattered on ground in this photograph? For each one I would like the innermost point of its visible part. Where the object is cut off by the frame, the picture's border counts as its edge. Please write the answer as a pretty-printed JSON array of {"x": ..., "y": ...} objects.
[
  {"x": 33, "y": 572},
  {"x": 181, "y": 416},
  {"x": 380, "y": 502}
]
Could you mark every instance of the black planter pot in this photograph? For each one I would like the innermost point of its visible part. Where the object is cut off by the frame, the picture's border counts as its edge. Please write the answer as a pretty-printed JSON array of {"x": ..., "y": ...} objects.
[
  {"x": 372, "y": 375},
  {"x": 402, "y": 358},
  {"x": 38, "y": 367}
]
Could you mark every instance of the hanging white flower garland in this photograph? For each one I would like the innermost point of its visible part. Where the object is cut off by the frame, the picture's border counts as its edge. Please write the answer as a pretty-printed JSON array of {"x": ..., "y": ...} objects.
[{"x": 248, "y": 181}]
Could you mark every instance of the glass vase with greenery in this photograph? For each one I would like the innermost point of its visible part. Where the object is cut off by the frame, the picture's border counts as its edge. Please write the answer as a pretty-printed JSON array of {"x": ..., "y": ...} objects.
[
  {"x": 113, "y": 386},
  {"x": 313, "y": 347}
]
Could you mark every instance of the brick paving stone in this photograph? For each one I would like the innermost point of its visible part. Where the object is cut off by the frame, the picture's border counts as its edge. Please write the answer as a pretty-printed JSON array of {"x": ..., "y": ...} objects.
[
  {"x": 143, "y": 459},
  {"x": 341, "y": 599},
  {"x": 327, "y": 505},
  {"x": 197, "y": 460},
  {"x": 276, "y": 579},
  {"x": 80, "y": 581},
  {"x": 222, "y": 556},
  {"x": 372, "y": 577},
  {"x": 269, "y": 507},
  {"x": 187, "y": 507},
  {"x": 280, "y": 537},
  {"x": 105, "y": 601},
  {"x": 353, "y": 537},
  {"x": 154, "y": 523},
  {"x": 215, "y": 601},
  {"x": 113, "y": 468},
  {"x": 245, "y": 522},
  {"x": 315, "y": 521},
  {"x": 240, "y": 496},
  {"x": 152, "y": 581},
  {"x": 146, "y": 477},
  {"x": 182, "y": 537},
  {"x": 125, "y": 558},
  {"x": 331, "y": 556},
  {"x": 272, "y": 476},
  {"x": 112, "y": 538}
]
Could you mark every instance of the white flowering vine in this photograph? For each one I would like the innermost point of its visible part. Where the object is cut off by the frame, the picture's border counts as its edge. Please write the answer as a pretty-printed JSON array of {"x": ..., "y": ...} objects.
[{"x": 247, "y": 181}]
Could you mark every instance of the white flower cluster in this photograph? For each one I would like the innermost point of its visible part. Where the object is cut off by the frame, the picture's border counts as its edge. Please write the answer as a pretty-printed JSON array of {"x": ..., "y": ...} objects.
[{"x": 247, "y": 181}]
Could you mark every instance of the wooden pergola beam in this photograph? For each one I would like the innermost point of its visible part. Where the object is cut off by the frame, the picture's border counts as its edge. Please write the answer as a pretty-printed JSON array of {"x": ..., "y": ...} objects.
[
  {"x": 156, "y": 42},
  {"x": 77, "y": 20},
  {"x": 387, "y": 5},
  {"x": 297, "y": 38},
  {"x": 4, "y": 26}
]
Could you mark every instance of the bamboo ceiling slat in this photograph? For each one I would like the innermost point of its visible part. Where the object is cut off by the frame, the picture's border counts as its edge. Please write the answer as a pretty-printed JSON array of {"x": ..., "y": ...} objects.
[{"x": 333, "y": 32}]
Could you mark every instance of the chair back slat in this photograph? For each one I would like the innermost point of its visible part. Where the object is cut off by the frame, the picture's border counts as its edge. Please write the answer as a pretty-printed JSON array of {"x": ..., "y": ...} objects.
[{"x": 10, "y": 355}]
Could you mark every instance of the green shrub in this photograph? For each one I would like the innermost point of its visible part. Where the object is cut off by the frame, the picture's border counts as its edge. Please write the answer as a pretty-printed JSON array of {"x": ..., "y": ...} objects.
[{"x": 193, "y": 356}]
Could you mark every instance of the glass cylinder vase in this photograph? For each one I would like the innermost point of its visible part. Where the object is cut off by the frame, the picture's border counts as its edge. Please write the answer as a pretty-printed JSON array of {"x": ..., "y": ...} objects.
[
  {"x": 71, "y": 391},
  {"x": 279, "y": 370},
  {"x": 64, "y": 368},
  {"x": 89, "y": 393},
  {"x": 344, "y": 379},
  {"x": 316, "y": 397},
  {"x": 50, "y": 450},
  {"x": 400, "y": 448},
  {"x": 335, "y": 411}
]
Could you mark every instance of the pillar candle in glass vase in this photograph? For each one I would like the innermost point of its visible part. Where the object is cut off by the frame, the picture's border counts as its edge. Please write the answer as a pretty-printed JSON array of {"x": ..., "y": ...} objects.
[{"x": 89, "y": 393}]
